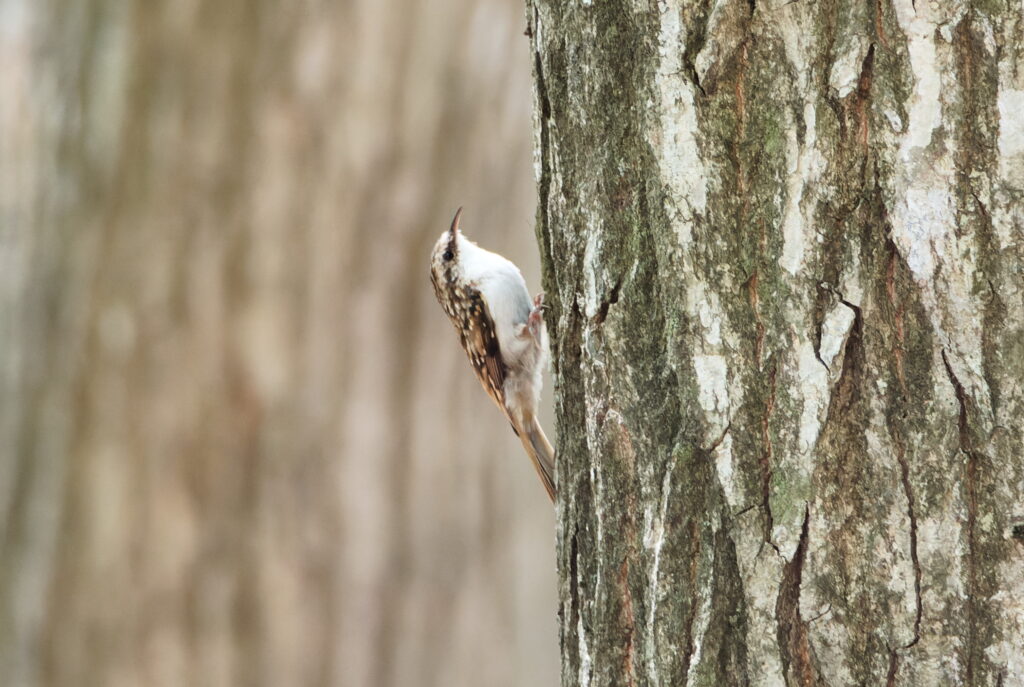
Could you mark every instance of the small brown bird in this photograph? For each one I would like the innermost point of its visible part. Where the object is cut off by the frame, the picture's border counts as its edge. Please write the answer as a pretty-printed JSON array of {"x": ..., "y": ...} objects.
[{"x": 502, "y": 332}]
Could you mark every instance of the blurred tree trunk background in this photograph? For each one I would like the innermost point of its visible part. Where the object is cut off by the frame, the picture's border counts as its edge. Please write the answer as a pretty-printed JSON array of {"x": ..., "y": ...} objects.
[{"x": 239, "y": 442}]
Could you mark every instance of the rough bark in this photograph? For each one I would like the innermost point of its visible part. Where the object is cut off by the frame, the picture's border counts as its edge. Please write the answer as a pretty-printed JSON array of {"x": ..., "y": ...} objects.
[
  {"x": 239, "y": 442},
  {"x": 782, "y": 248}
]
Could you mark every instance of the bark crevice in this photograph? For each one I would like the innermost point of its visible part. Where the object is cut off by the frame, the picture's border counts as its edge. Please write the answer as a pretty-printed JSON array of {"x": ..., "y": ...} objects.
[
  {"x": 794, "y": 644},
  {"x": 607, "y": 303},
  {"x": 695, "y": 591},
  {"x": 543, "y": 117},
  {"x": 901, "y": 456},
  {"x": 972, "y": 456},
  {"x": 765, "y": 462}
]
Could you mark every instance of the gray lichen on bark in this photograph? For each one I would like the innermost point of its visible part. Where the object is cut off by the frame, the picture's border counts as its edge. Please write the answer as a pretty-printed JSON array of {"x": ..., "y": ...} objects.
[{"x": 782, "y": 253}]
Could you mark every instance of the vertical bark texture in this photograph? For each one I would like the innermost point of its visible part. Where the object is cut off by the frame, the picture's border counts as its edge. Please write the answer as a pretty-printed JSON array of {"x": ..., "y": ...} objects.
[
  {"x": 783, "y": 249},
  {"x": 239, "y": 442}
]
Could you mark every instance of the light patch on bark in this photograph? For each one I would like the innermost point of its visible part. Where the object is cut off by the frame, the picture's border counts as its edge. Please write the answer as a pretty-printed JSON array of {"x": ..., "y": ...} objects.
[
  {"x": 845, "y": 73},
  {"x": 897, "y": 526},
  {"x": 835, "y": 330},
  {"x": 804, "y": 165},
  {"x": 1011, "y": 124},
  {"x": 925, "y": 110},
  {"x": 831, "y": 644},
  {"x": 924, "y": 214},
  {"x": 925, "y": 220},
  {"x": 894, "y": 120},
  {"x": 683, "y": 172},
  {"x": 594, "y": 444},
  {"x": 724, "y": 466},
  {"x": 1010, "y": 598},
  {"x": 1007, "y": 216},
  {"x": 585, "y": 662},
  {"x": 829, "y": 636},
  {"x": 797, "y": 465},
  {"x": 1011, "y": 132},
  {"x": 943, "y": 579},
  {"x": 682, "y": 168},
  {"x": 712, "y": 378},
  {"x": 591, "y": 301},
  {"x": 715, "y": 389},
  {"x": 654, "y": 539},
  {"x": 939, "y": 558},
  {"x": 705, "y": 305},
  {"x": 814, "y": 382},
  {"x": 761, "y": 569},
  {"x": 713, "y": 49}
]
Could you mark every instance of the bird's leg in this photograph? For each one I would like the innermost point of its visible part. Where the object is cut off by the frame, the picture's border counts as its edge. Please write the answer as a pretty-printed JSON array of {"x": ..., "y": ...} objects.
[{"x": 534, "y": 321}]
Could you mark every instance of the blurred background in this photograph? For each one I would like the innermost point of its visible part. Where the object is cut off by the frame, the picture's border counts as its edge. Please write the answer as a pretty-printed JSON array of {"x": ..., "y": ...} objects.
[{"x": 239, "y": 441}]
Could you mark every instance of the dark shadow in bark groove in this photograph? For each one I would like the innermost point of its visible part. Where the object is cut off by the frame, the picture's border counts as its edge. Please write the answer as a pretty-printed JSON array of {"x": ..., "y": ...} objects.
[
  {"x": 766, "y": 459},
  {"x": 971, "y": 487},
  {"x": 797, "y": 656}
]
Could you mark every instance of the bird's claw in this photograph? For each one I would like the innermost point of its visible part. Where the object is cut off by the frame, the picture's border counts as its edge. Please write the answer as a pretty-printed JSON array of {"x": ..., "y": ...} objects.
[{"x": 536, "y": 319}]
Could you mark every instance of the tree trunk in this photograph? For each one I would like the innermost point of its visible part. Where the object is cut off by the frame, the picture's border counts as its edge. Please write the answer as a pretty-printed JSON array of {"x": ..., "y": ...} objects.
[
  {"x": 782, "y": 247},
  {"x": 239, "y": 442}
]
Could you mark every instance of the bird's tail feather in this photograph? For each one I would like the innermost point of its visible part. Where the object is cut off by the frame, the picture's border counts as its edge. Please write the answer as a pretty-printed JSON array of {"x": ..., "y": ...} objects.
[{"x": 541, "y": 453}]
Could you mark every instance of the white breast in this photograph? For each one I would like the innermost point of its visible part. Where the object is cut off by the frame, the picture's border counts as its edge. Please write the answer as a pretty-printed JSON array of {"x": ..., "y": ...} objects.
[{"x": 504, "y": 290}]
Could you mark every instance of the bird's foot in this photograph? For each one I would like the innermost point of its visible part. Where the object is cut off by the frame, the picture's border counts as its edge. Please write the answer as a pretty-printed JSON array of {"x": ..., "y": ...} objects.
[{"x": 536, "y": 319}]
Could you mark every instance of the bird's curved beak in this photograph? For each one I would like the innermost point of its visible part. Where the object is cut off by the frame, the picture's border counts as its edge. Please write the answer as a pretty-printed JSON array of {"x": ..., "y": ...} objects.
[
  {"x": 455, "y": 223},
  {"x": 453, "y": 233}
]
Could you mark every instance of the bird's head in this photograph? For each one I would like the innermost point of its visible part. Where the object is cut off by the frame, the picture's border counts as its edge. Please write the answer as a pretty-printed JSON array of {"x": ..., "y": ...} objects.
[{"x": 445, "y": 260}]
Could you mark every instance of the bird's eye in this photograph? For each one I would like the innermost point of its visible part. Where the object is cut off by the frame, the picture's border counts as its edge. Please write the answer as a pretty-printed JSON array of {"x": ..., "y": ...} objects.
[{"x": 447, "y": 255}]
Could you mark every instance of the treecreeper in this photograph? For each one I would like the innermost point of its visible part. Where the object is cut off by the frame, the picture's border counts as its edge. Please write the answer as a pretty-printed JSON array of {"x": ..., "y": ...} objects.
[{"x": 502, "y": 331}]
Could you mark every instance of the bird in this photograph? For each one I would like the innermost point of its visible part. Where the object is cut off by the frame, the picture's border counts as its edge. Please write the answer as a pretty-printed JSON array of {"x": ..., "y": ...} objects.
[{"x": 502, "y": 331}]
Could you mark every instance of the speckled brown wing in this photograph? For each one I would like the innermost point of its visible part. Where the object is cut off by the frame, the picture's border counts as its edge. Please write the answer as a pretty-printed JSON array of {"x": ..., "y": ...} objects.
[
  {"x": 467, "y": 310},
  {"x": 481, "y": 344}
]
